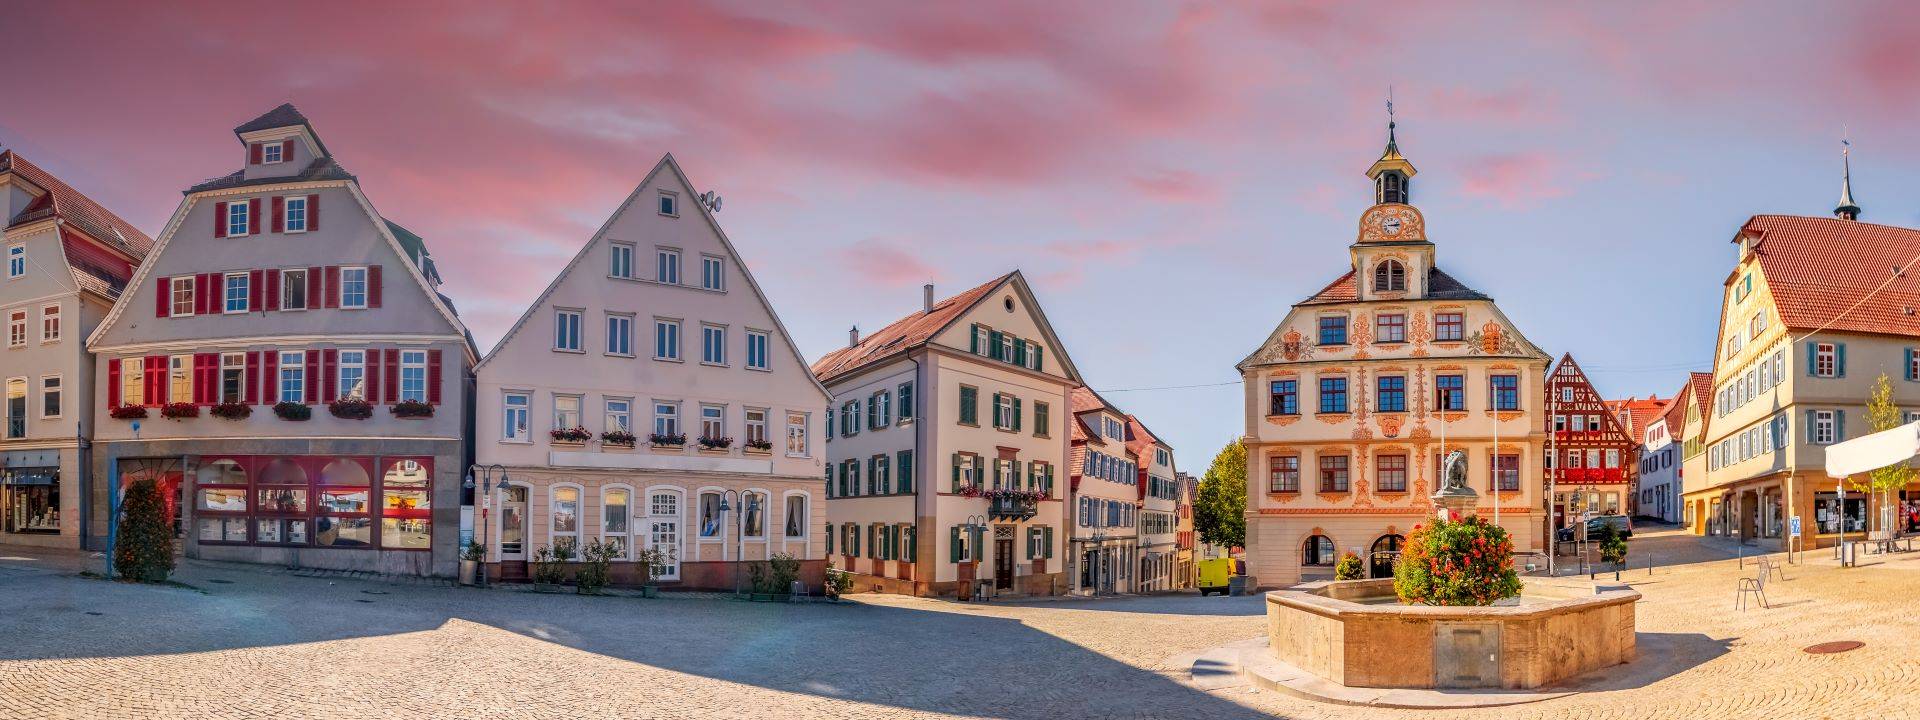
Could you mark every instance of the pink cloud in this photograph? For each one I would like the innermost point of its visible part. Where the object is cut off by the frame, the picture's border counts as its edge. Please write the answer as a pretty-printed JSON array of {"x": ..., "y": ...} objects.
[
  {"x": 1176, "y": 186},
  {"x": 887, "y": 264},
  {"x": 1515, "y": 180}
]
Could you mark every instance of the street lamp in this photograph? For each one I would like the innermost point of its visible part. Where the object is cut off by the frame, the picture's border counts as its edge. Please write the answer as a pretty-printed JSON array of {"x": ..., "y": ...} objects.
[
  {"x": 975, "y": 524},
  {"x": 486, "y": 478}
]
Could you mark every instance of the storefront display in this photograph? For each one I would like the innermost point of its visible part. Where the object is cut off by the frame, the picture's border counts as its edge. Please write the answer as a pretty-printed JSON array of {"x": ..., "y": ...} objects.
[
  {"x": 1831, "y": 516},
  {"x": 315, "y": 501},
  {"x": 30, "y": 491}
]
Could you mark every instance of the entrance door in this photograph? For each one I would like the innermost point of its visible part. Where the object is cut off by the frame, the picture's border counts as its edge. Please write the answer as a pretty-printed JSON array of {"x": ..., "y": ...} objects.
[
  {"x": 663, "y": 534},
  {"x": 1385, "y": 551},
  {"x": 513, "y": 524},
  {"x": 1003, "y": 564}
]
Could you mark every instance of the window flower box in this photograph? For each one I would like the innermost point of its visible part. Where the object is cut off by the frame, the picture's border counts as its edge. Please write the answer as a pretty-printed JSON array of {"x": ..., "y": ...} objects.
[
  {"x": 618, "y": 439},
  {"x": 715, "y": 443},
  {"x": 232, "y": 411},
  {"x": 412, "y": 409},
  {"x": 759, "y": 447},
  {"x": 179, "y": 410},
  {"x": 292, "y": 411},
  {"x": 128, "y": 412},
  {"x": 667, "y": 442},
  {"x": 570, "y": 436},
  {"x": 350, "y": 409}
]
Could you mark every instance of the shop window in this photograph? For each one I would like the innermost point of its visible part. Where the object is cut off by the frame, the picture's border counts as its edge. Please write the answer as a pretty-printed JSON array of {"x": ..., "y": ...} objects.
[
  {"x": 563, "y": 512},
  {"x": 220, "y": 500},
  {"x": 344, "y": 503},
  {"x": 406, "y": 506}
]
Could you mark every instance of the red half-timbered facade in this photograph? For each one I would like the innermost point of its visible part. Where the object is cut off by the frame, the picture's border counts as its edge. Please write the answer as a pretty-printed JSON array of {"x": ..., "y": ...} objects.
[{"x": 1590, "y": 454}]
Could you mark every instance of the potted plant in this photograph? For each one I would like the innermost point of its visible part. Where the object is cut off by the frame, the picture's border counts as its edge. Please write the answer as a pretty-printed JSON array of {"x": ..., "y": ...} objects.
[
  {"x": 667, "y": 440},
  {"x": 715, "y": 443},
  {"x": 179, "y": 410},
  {"x": 618, "y": 438},
  {"x": 573, "y": 435},
  {"x": 411, "y": 409},
  {"x": 129, "y": 412},
  {"x": 1348, "y": 568},
  {"x": 760, "y": 446},
  {"x": 595, "y": 558},
  {"x": 782, "y": 570},
  {"x": 232, "y": 411},
  {"x": 293, "y": 411},
  {"x": 838, "y": 582},
  {"x": 650, "y": 561},
  {"x": 350, "y": 408},
  {"x": 470, "y": 560},
  {"x": 549, "y": 567}
]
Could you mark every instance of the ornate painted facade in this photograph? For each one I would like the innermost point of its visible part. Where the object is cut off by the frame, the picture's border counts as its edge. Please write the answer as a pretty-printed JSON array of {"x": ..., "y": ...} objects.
[{"x": 1591, "y": 455}]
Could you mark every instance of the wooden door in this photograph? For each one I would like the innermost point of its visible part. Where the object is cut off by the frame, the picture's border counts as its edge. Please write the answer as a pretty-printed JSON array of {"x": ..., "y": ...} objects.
[{"x": 1003, "y": 563}]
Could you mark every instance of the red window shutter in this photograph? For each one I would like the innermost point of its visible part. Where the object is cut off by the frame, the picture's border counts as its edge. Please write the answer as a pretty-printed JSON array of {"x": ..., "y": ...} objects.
[
  {"x": 256, "y": 290},
  {"x": 313, "y": 376},
  {"x": 220, "y": 219},
  {"x": 332, "y": 289},
  {"x": 253, "y": 216},
  {"x": 256, "y": 153},
  {"x": 113, "y": 383},
  {"x": 203, "y": 294},
  {"x": 313, "y": 213},
  {"x": 313, "y": 288},
  {"x": 206, "y": 380},
  {"x": 273, "y": 289},
  {"x": 373, "y": 286},
  {"x": 286, "y": 151},
  {"x": 329, "y": 374},
  {"x": 373, "y": 375},
  {"x": 162, "y": 297},
  {"x": 270, "y": 378},
  {"x": 433, "y": 377},
  {"x": 393, "y": 375},
  {"x": 279, "y": 214},
  {"x": 156, "y": 380},
  {"x": 252, "y": 379}
]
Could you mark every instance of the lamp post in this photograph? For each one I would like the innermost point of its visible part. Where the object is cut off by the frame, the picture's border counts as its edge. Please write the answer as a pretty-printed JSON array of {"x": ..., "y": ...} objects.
[
  {"x": 975, "y": 538},
  {"x": 484, "y": 505}
]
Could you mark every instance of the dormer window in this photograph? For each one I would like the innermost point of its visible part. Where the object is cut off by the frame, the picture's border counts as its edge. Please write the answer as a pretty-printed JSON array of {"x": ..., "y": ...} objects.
[
  {"x": 669, "y": 204},
  {"x": 1389, "y": 276},
  {"x": 270, "y": 153}
]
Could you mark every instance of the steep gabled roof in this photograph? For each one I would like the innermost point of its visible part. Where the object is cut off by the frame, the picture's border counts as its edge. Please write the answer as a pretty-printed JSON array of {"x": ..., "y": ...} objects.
[
  {"x": 68, "y": 204},
  {"x": 916, "y": 330},
  {"x": 322, "y": 168},
  {"x": 1838, "y": 274},
  {"x": 286, "y": 115},
  {"x": 1701, "y": 384},
  {"x": 1640, "y": 412},
  {"x": 1440, "y": 286}
]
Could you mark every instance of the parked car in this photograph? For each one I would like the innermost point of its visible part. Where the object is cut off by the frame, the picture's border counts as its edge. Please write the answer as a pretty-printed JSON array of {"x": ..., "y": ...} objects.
[
  {"x": 1217, "y": 575},
  {"x": 1596, "y": 525}
]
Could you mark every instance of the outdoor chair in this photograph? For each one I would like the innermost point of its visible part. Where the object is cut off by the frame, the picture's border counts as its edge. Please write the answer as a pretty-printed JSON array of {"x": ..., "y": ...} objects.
[
  {"x": 1774, "y": 569},
  {"x": 1755, "y": 586}
]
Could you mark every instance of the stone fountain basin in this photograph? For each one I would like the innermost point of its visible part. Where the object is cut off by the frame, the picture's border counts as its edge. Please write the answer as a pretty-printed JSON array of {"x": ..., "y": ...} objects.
[{"x": 1355, "y": 633}]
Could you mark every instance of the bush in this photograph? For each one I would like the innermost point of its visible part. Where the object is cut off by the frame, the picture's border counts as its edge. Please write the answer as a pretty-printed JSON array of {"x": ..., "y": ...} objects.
[
  {"x": 594, "y": 559},
  {"x": 838, "y": 581},
  {"x": 1456, "y": 563},
  {"x": 776, "y": 575},
  {"x": 1613, "y": 547},
  {"x": 143, "y": 544},
  {"x": 475, "y": 551},
  {"x": 1348, "y": 568},
  {"x": 549, "y": 563},
  {"x": 650, "y": 561}
]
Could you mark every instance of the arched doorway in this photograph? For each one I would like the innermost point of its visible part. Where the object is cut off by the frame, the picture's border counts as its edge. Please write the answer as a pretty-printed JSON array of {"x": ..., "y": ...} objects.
[{"x": 1385, "y": 551}]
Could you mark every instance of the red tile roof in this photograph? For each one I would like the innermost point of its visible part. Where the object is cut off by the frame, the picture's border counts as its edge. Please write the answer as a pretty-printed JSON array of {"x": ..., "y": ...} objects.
[
  {"x": 1699, "y": 385},
  {"x": 1440, "y": 286},
  {"x": 64, "y": 202},
  {"x": 1640, "y": 412},
  {"x": 903, "y": 335},
  {"x": 1838, "y": 274},
  {"x": 1084, "y": 399},
  {"x": 1338, "y": 291}
]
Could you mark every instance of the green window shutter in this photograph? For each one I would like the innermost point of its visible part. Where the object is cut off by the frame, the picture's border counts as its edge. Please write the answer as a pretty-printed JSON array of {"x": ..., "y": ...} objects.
[
  {"x": 904, "y": 479},
  {"x": 1037, "y": 365},
  {"x": 956, "y": 472},
  {"x": 973, "y": 339},
  {"x": 1048, "y": 539},
  {"x": 1839, "y": 359},
  {"x": 1813, "y": 356},
  {"x": 997, "y": 420},
  {"x": 853, "y": 541},
  {"x": 843, "y": 479},
  {"x": 873, "y": 475},
  {"x": 953, "y": 545},
  {"x": 906, "y": 402},
  {"x": 993, "y": 344},
  {"x": 1016, "y": 414},
  {"x": 1020, "y": 353},
  {"x": 977, "y": 546},
  {"x": 913, "y": 544},
  {"x": 969, "y": 406},
  {"x": 1839, "y": 425},
  {"x": 996, "y": 473},
  {"x": 1048, "y": 486},
  {"x": 829, "y": 538}
]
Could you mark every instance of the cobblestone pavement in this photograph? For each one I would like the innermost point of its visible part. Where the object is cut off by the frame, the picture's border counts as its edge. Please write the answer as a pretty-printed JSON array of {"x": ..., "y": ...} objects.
[{"x": 246, "y": 642}]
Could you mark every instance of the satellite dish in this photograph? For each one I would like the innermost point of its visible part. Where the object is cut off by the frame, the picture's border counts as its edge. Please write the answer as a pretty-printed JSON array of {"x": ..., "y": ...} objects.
[
  {"x": 716, "y": 203},
  {"x": 706, "y": 198}
]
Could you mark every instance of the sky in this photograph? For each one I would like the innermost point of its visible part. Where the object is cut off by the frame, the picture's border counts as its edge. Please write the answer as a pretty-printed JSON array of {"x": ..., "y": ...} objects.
[{"x": 1170, "y": 177}]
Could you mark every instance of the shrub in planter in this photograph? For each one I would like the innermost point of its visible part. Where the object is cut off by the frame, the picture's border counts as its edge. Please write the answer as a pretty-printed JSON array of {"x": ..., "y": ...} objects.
[
  {"x": 129, "y": 412},
  {"x": 232, "y": 411},
  {"x": 650, "y": 561},
  {"x": 838, "y": 581},
  {"x": 412, "y": 409},
  {"x": 474, "y": 551},
  {"x": 776, "y": 575},
  {"x": 618, "y": 437},
  {"x": 715, "y": 443},
  {"x": 1613, "y": 547},
  {"x": 179, "y": 410},
  {"x": 350, "y": 409},
  {"x": 594, "y": 558},
  {"x": 665, "y": 440},
  {"x": 1348, "y": 568},
  {"x": 572, "y": 434},
  {"x": 292, "y": 411},
  {"x": 760, "y": 445},
  {"x": 549, "y": 563},
  {"x": 143, "y": 543},
  {"x": 1469, "y": 562}
]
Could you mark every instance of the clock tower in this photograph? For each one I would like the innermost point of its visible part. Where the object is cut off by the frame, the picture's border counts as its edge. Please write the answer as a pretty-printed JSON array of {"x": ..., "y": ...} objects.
[{"x": 1391, "y": 255}]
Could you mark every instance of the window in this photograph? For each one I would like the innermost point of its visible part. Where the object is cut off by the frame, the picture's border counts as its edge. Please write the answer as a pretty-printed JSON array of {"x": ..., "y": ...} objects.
[
  {"x": 413, "y": 375},
  {"x": 1825, "y": 360},
  {"x": 1505, "y": 391},
  {"x": 796, "y": 434},
  {"x": 566, "y": 412},
  {"x": 50, "y": 324},
  {"x": 710, "y": 517},
  {"x": 17, "y": 328},
  {"x": 1391, "y": 473},
  {"x": 619, "y": 415},
  {"x": 233, "y": 377},
  {"x": 1333, "y": 473},
  {"x": 756, "y": 423},
  {"x": 753, "y": 516},
  {"x": 353, "y": 288},
  {"x": 564, "y": 512},
  {"x": 666, "y": 266},
  {"x": 50, "y": 396},
  {"x": 1389, "y": 276},
  {"x": 713, "y": 421},
  {"x": 133, "y": 386},
  {"x": 1283, "y": 397},
  {"x": 1283, "y": 474},
  {"x": 1318, "y": 552},
  {"x": 293, "y": 376},
  {"x": 666, "y": 418},
  {"x": 713, "y": 345},
  {"x": 1824, "y": 427},
  {"x": 796, "y": 525},
  {"x": 293, "y": 292},
  {"x": 1333, "y": 330},
  {"x": 352, "y": 375},
  {"x": 619, "y": 335},
  {"x": 969, "y": 405},
  {"x": 1507, "y": 471},
  {"x": 1003, "y": 410},
  {"x": 1757, "y": 325},
  {"x": 180, "y": 377},
  {"x": 1449, "y": 326},
  {"x": 666, "y": 339},
  {"x": 1451, "y": 391},
  {"x": 1042, "y": 417},
  {"x": 513, "y": 418},
  {"x": 879, "y": 410},
  {"x": 1393, "y": 327},
  {"x": 295, "y": 214},
  {"x": 616, "y": 517},
  {"x": 1333, "y": 394},
  {"x": 712, "y": 273},
  {"x": 756, "y": 350},
  {"x": 16, "y": 408},
  {"x": 270, "y": 153},
  {"x": 669, "y": 204},
  {"x": 16, "y": 261},
  {"x": 1392, "y": 393},
  {"x": 620, "y": 260},
  {"x": 236, "y": 293},
  {"x": 982, "y": 340},
  {"x": 850, "y": 418},
  {"x": 182, "y": 296},
  {"x": 238, "y": 220}
]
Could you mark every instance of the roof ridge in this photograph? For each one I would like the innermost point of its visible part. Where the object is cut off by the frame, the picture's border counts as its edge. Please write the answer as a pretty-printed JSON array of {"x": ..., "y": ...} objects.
[{"x": 836, "y": 362}]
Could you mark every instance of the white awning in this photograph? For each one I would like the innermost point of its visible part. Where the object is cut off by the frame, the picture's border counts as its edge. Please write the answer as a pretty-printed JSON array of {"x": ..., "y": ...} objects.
[{"x": 1881, "y": 449}]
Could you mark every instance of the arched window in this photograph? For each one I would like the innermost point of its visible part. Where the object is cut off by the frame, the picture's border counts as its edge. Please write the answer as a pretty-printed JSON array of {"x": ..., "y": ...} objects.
[
  {"x": 344, "y": 504},
  {"x": 406, "y": 507},
  {"x": 1389, "y": 275},
  {"x": 1386, "y": 550},
  {"x": 754, "y": 515},
  {"x": 1318, "y": 552}
]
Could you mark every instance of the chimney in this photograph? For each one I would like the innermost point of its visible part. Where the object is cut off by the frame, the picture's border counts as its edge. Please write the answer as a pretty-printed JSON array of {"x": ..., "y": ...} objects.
[
  {"x": 928, "y": 292},
  {"x": 853, "y": 337}
]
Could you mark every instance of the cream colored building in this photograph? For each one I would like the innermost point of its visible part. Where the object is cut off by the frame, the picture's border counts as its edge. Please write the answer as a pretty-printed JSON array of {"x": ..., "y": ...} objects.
[
  {"x": 1354, "y": 398},
  {"x": 1103, "y": 469},
  {"x": 1159, "y": 505},
  {"x": 947, "y": 447},
  {"x": 651, "y": 397}
]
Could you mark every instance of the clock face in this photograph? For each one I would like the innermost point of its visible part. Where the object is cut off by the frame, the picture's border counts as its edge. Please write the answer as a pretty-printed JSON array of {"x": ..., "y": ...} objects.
[{"x": 1391, "y": 225}]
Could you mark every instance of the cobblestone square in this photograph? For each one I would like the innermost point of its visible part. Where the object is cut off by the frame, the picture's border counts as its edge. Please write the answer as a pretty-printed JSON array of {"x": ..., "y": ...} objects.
[{"x": 247, "y": 642}]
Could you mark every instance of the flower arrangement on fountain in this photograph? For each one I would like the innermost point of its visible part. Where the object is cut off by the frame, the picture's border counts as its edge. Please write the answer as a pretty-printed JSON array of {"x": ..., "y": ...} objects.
[
  {"x": 574, "y": 434},
  {"x": 1469, "y": 562},
  {"x": 179, "y": 410},
  {"x": 1348, "y": 568}
]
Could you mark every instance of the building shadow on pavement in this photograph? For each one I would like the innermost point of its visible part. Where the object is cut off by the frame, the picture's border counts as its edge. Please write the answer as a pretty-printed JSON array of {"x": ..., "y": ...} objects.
[{"x": 1660, "y": 656}]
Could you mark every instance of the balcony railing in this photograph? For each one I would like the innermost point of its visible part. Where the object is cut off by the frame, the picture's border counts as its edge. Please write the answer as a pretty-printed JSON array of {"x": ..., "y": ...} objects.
[{"x": 1011, "y": 507}]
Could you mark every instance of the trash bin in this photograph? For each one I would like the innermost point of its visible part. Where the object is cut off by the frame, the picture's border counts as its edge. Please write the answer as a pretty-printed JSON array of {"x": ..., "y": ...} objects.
[{"x": 1847, "y": 550}]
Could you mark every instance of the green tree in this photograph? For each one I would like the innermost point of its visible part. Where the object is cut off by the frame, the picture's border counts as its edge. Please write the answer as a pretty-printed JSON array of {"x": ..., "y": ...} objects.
[
  {"x": 143, "y": 544},
  {"x": 1220, "y": 508},
  {"x": 1883, "y": 414}
]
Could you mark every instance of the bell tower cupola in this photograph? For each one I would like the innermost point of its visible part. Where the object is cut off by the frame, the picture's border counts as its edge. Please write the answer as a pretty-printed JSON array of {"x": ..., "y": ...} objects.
[{"x": 1392, "y": 175}]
